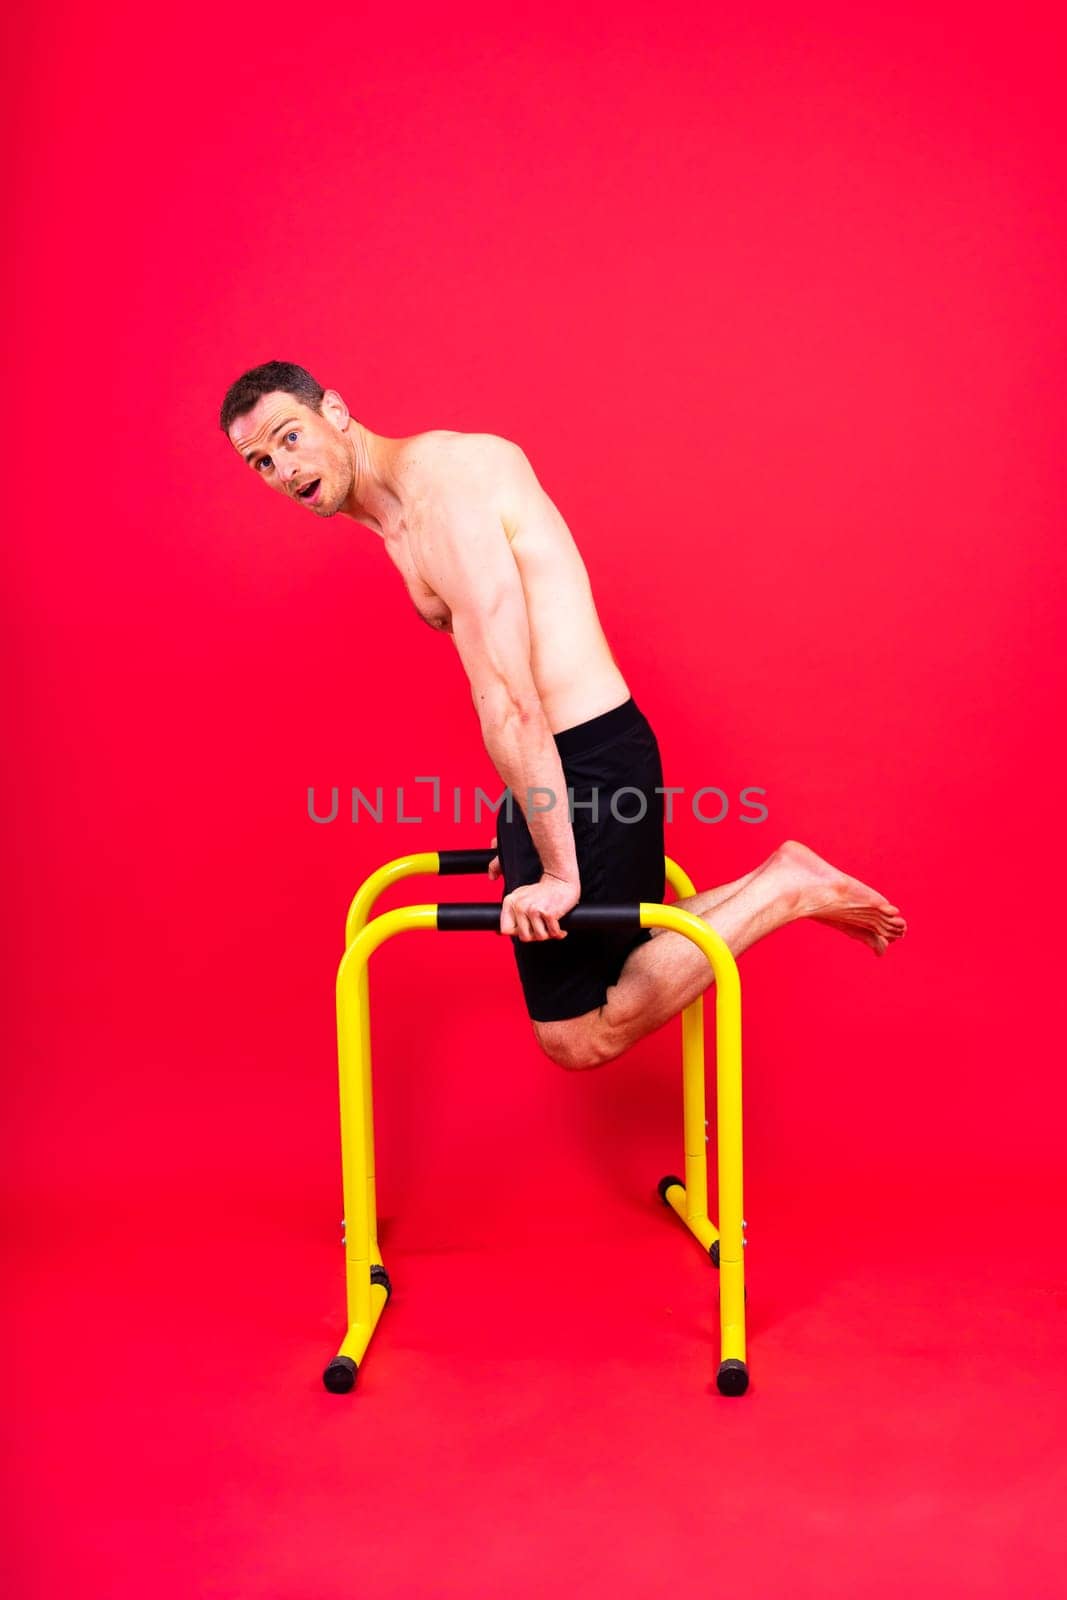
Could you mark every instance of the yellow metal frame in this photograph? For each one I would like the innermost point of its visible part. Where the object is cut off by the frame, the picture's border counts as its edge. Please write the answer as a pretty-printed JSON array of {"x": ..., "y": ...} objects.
[{"x": 367, "y": 1283}]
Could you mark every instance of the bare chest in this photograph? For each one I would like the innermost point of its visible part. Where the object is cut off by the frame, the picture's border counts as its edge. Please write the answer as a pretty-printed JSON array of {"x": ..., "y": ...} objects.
[{"x": 430, "y": 607}]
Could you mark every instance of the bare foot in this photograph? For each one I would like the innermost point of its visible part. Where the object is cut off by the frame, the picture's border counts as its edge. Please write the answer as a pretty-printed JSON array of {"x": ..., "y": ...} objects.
[{"x": 825, "y": 894}]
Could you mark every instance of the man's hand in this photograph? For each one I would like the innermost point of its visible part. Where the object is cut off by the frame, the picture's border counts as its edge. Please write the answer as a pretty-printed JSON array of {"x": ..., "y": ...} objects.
[
  {"x": 532, "y": 911},
  {"x": 495, "y": 868}
]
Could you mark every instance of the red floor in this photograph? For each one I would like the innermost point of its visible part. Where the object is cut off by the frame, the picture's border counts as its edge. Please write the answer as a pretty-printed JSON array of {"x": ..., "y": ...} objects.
[{"x": 537, "y": 1413}]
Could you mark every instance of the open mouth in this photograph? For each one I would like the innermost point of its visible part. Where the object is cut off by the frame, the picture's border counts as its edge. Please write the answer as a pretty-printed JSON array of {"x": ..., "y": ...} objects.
[{"x": 310, "y": 490}]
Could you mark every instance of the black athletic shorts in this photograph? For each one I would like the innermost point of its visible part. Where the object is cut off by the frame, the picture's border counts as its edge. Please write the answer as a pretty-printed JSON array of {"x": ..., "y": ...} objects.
[{"x": 615, "y": 759}]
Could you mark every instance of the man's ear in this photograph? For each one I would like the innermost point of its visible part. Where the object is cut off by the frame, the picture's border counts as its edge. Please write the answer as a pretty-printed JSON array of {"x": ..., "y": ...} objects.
[{"x": 335, "y": 410}]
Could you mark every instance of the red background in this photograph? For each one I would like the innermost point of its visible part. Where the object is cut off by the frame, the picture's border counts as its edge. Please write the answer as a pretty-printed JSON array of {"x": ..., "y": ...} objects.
[{"x": 774, "y": 303}]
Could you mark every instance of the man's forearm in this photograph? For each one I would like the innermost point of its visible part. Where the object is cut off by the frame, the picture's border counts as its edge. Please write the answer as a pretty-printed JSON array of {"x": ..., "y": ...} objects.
[{"x": 523, "y": 751}]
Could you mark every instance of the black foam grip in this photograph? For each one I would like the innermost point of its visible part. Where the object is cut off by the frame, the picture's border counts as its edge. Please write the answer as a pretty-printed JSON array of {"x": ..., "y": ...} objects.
[
  {"x": 460, "y": 918},
  {"x": 628, "y": 916},
  {"x": 480, "y": 917},
  {"x": 455, "y": 862}
]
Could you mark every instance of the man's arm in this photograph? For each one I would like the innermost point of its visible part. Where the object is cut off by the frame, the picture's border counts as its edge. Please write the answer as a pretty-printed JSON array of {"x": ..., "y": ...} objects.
[{"x": 468, "y": 562}]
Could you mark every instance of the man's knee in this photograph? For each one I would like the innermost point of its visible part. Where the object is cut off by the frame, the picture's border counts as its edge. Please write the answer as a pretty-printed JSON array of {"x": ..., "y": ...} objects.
[{"x": 575, "y": 1044}]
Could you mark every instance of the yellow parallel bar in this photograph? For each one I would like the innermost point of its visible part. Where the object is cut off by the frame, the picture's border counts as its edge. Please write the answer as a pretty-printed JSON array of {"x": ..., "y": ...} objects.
[
  {"x": 359, "y": 911},
  {"x": 353, "y": 1058},
  {"x": 728, "y": 1108},
  {"x": 366, "y": 1302}
]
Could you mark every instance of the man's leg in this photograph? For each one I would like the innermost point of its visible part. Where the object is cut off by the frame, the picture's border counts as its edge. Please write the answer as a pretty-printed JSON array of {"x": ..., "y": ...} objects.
[{"x": 663, "y": 975}]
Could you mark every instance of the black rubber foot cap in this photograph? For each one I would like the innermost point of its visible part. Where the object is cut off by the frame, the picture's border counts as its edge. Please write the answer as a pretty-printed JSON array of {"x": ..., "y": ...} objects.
[
  {"x": 732, "y": 1377},
  {"x": 668, "y": 1183},
  {"x": 379, "y": 1275},
  {"x": 340, "y": 1375}
]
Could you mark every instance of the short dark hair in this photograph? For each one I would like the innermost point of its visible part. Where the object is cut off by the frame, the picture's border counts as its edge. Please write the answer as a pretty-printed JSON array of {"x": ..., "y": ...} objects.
[{"x": 258, "y": 381}]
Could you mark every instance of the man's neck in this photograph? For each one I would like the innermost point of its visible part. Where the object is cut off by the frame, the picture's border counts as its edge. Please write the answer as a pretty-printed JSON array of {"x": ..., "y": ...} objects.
[{"x": 374, "y": 499}]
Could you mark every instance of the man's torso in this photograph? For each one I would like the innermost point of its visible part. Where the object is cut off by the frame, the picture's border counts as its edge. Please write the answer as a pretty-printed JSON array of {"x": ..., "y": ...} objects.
[{"x": 573, "y": 668}]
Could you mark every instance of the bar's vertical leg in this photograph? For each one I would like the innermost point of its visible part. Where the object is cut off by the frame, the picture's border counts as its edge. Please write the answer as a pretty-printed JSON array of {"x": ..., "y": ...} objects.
[
  {"x": 733, "y": 1374},
  {"x": 353, "y": 1071},
  {"x": 368, "y": 1109},
  {"x": 694, "y": 1106},
  {"x": 356, "y": 920},
  {"x": 367, "y": 1285},
  {"x": 726, "y": 1246},
  {"x": 694, "y": 1101}
]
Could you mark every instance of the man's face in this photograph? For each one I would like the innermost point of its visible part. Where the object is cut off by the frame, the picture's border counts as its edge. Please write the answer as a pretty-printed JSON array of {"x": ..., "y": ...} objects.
[{"x": 302, "y": 454}]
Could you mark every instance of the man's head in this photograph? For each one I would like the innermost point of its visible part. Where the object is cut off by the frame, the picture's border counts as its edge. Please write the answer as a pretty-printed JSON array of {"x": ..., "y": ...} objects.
[{"x": 293, "y": 433}]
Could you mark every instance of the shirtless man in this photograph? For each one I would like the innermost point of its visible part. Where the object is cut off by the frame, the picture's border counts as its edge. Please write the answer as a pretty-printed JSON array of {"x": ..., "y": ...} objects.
[{"x": 487, "y": 558}]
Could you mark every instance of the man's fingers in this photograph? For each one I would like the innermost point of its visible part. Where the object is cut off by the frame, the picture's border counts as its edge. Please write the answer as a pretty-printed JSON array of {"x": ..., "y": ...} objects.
[
  {"x": 513, "y": 919},
  {"x": 529, "y": 923}
]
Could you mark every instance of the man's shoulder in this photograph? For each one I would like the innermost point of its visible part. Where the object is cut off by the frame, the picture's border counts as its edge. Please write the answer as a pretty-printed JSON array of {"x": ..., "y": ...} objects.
[{"x": 445, "y": 451}]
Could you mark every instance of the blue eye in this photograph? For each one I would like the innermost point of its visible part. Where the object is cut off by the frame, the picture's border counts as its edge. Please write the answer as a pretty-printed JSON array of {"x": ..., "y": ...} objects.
[
  {"x": 263, "y": 463},
  {"x": 292, "y": 434}
]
